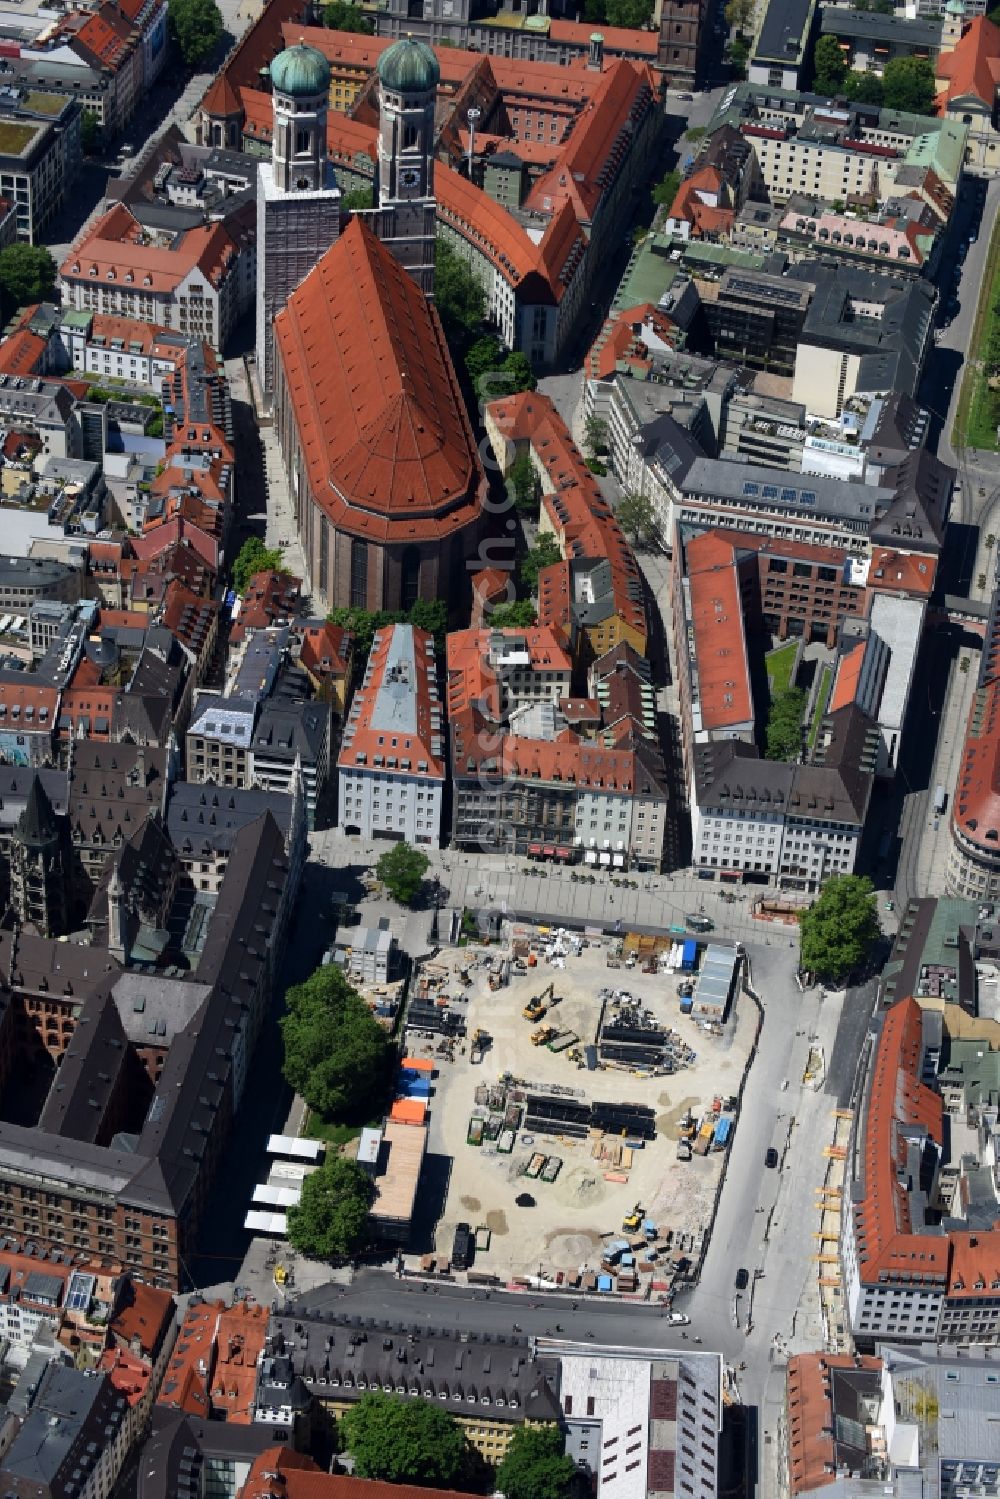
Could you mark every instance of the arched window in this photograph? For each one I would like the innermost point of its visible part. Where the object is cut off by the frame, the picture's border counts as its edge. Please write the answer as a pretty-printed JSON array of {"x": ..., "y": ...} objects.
[
  {"x": 409, "y": 585},
  {"x": 301, "y": 142},
  {"x": 359, "y": 574},
  {"x": 411, "y": 137}
]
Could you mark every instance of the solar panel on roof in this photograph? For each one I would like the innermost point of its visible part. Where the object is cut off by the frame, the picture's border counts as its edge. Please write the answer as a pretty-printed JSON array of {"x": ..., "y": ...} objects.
[{"x": 81, "y": 1291}]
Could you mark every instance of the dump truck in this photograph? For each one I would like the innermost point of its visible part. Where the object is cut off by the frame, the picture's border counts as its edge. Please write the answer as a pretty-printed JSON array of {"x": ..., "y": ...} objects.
[{"x": 543, "y": 1034}]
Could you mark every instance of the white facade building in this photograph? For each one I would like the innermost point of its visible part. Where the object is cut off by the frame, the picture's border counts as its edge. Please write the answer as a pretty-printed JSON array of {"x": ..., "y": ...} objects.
[{"x": 391, "y": 767}]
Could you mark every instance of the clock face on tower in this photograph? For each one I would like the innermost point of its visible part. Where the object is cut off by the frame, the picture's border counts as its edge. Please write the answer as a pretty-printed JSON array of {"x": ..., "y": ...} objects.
[{"x": 409, "y": 177}]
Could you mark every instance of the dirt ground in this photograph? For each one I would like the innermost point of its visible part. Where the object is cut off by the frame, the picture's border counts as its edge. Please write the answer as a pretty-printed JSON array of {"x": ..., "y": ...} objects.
[{"x": 573, "y": 1215}]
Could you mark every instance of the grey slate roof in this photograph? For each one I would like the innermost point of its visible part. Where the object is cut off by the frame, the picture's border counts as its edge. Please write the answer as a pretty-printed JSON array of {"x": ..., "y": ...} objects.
[
  {"x": 286, "y": 729},
  {"x": 73, "y": 1417},
  {"x": 208, "y": 818}
]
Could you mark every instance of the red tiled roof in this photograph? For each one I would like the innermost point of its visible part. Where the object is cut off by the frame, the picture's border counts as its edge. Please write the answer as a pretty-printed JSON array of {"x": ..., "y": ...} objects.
[
  {"x": 811, "y": 1462},
  {"x": 107, "y": 36},
  {"x": 622, "y": 341},
  {"x": 473, "y": 679},
  {"x": 580, "y": 517},
  {"x": 118, "y": 243},
  {"x": 22, "y": 353},
  {"x": 361, "y": 738},
  {"x": 972, "y": 68},
  {"x": 897, "y": 1101},
  {"x": 716, "y": 605},
  {"x": 189, "y": 618},
  {"x": 27, "y": 707},
  {"x": 623, "y": 96},
  {"x": 292, "y": 1475},
  {"x": 901, "y": 572},
  {"x": 213, "y": 1366},
  {"x": 381, "y": 420},
  {"x": 325, "y": 650},
  {"x": 270, "y": 596},
  {"x": 221, "y": 98},
  {"x": 143, "y": 1316},
  {"x": 976, "y": 805},
  {"x": 689, "y": 206},
  {"x": 616, "y": 38},
  {"x": 128, "y": 1374},
  {"x": 848, "y": 676},
  {"x": 169, "y": 534},
  {"x": 555, "y": 600}
]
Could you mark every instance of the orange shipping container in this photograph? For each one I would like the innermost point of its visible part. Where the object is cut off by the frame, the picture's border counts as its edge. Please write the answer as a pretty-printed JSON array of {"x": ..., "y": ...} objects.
[
  {"x": 417, "y": 1064},
  {"x": 408, "y": 1111}
]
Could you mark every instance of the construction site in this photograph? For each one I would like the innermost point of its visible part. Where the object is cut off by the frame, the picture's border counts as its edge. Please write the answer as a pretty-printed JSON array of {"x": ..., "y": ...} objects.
[{"x": 596, "y": 1106}]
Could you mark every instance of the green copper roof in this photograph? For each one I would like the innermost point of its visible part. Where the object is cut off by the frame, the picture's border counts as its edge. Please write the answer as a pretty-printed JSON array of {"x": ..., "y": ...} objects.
[
  {"x": 300, "y": 71},
  {"x": 409, "y": 67}
]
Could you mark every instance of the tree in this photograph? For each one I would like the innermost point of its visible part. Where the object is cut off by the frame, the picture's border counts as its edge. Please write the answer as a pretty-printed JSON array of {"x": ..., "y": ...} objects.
[
  {"x": 636, "y": 516},
  {"x": 522, "y": 483},
  {"x": 401, "y": 870},
  {"x": 404, "y": 1441},
  {"x": 363, "y": 624},
  {"x": 595, "y": 435},
  {"x": 330, "y": 1220},
  {"x": 430, "y": 615},
  {"x": 784, "y": 724},
  {"x": 255, "y": 557},
  {"x": 542, "y": 554},
  {"x": 458, "y": 293},
  {"x": 340, "y": 15},
  {"x": 482, "y": 357},
  {"x": 908, "y": 85},
  {"x": 196, "y": 26},
  {"x": 520, "y": 614},
  {"x": 27, "y": 274},
  {"x": 359, "y": 198},
  {"x": 739, "y": 52},
  {"x": 335, "y": 1049},
  {"x": 829, "y": 67},
  {"x": 839, "y": 928},
  {"x": 864, "y": 87},
  {"x": 633, "y": 14},
  {"x": 536, "y": 1465},
  {"x": 665, "y": 190},
  {"x": 518, "y": 371},
  {"x": 739, "y": 14},
  {"x": 90, "y": 132}
]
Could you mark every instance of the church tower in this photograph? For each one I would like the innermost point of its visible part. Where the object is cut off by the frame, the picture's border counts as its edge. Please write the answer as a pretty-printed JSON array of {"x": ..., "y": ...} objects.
[
  {"x": 39, "y": 866},
  {"x": 405, "y": 212},
  {"x": 298, "y": 200}
]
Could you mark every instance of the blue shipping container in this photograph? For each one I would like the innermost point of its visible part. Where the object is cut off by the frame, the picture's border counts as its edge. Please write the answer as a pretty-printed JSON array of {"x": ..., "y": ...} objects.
[
  {"x": 722, "y": 1131},
  {"x": 687, "y": 1005},
  {"x": 604, "y": 1282},
  {"x": 689, "y": 956}
]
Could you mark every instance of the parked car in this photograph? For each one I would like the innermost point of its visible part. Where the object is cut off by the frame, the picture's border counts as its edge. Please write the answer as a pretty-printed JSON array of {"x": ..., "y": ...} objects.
[
  {"x": 771, "y": 1158},
  {"x": 700, "y": 923},
  {"x": 678, "y": 1319},
  {"x": 742, "y": 1279}
]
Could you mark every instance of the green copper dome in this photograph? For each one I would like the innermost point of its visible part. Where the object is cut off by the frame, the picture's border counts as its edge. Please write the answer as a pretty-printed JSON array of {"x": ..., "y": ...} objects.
[
  {"x": 300, "y": 72},
  {"x": 409, "y": 67}
]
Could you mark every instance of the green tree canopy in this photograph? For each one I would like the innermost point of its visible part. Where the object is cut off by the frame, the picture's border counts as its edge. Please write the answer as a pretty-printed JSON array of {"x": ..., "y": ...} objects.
[
  {"x": 542, "y": 554},
  {"x": 784, "y": 724},
  {"x": 340, "y": 15},
  {"x": 631, "y": 13},
  {"x": 430, "y": 615},
  {"x": 404, "y": 1441},
  {"x": 335, "y": 1050},
  {"x": 519, "y": 614},
  {"x": 665, "y": 190},
  {"x": 595, "y": 435},
  {"x": 330, "y": 1221},
  {"x": 482, "y": 356},
  {"x": 523, "y": 485},
  {"x": 458, "y": 293},
  {"x": 536, "y": 1465},
  {"x": 908, "y": 85},
  {"x": 255, "y": 557},
  {"x": 90, "y": 132},
  {"x": 739, "y": 14},
  {"x": 829, "y": 66},
  {"x": 358, "y": 198},
  {"x": 636, "y": 516},
  {"x": 866, "y": 88},
  {"x": 401, "y": 870},
  {"x": 839, "y": 928},
  {"x": 27, "y": 274},
  {"x": 196, "y": 26}
]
